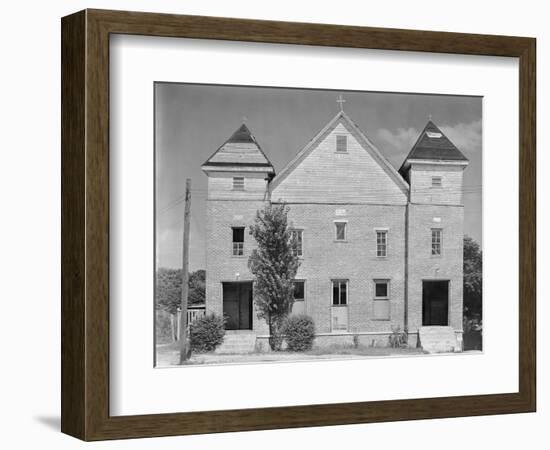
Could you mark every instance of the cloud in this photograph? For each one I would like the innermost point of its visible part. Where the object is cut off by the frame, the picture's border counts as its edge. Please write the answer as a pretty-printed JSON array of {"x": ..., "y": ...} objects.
[
  {"x": 466, "y": 136},
  {"x": 395, "y": 145},
  {"x": 169, "y": 245},
  {"x": 401, "y": 139},
  {"x": 168, "y": 248}
]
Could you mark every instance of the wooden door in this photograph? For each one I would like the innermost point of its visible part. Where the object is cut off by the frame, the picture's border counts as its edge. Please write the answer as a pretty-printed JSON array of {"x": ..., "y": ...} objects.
[
  {"x": 245, "y": 306},
  {"x": 237, "y": 305}
]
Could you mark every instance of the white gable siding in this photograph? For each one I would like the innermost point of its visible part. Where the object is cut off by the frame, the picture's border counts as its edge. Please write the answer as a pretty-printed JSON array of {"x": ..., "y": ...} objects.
[
  {"x": 220, "y": 186},
  {"x": 450, "y": 191},
  {"x": 325, "y": 176}
]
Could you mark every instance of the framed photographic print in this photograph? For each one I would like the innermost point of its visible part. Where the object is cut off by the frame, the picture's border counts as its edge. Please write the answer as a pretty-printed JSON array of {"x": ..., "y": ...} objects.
[{"x": 273, "y": 225}]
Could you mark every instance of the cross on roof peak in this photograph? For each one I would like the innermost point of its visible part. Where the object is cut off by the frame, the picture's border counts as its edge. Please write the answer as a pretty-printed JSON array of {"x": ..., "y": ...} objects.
[
  {"x": 341, "y": 100},
  {"x": 244, "y": 119}
]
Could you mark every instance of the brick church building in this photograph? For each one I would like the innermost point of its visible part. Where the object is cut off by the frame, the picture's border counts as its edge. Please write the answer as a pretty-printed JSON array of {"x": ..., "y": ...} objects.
[{"x": 380, "y": 248}]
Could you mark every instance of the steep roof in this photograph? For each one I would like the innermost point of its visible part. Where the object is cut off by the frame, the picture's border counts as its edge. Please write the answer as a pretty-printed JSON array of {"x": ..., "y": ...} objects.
[
  {"x": 432, "y": 145},
  {"x": 343, "y": 118},
  {"x": 241, "y": 149}
]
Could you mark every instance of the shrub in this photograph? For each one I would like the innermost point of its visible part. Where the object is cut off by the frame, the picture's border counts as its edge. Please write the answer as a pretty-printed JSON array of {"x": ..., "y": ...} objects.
[
  {"x": 206, "y": 333},
  {"x": 299, "y": 332},
  {"x": 398, "y": 338}
]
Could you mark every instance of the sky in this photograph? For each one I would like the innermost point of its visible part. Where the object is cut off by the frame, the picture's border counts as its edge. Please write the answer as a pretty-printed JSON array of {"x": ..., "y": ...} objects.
[{"x": 192, "y": 121}]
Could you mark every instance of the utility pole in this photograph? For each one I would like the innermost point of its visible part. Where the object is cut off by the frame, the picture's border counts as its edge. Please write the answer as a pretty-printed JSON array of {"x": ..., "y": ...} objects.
[{"x": 185, "y": 274}]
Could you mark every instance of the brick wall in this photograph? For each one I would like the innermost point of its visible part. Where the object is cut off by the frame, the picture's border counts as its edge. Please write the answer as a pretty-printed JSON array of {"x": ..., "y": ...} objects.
[
  {"x": 424, "y": 266},
  {"x": 325, "y": 259},
  {"x": 221, "y": 265}
]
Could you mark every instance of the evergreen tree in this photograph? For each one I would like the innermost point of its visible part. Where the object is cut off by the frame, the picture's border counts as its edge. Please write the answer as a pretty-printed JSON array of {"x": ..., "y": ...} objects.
[{"x": 274, "y": 264}]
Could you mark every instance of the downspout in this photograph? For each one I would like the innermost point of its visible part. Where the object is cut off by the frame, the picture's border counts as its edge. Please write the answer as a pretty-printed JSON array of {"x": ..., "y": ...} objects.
[
  {"x": 267, "y": 194},
  {"x": 406, "y": 290}
]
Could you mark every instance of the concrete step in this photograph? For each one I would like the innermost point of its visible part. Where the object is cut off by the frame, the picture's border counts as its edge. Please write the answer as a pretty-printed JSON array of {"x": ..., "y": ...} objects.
[
  {"x": 237, "y": 342},
  {"x": 438, "y": 339}
]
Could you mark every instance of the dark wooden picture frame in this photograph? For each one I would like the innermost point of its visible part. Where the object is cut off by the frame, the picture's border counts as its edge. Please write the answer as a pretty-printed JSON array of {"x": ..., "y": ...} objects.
[{"x": 85, "y": 224}]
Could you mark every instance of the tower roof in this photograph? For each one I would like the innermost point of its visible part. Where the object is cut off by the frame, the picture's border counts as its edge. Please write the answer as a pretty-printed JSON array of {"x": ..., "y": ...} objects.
[
  {"x": 432, "y": 145},
  {"x": 240, "y": 150}
]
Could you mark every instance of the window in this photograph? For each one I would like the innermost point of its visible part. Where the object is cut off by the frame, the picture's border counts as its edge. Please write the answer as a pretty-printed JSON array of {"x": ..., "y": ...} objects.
[
  {"x": 238, "y": 183},
  {"x": 436, "y": 182},
  {"x": 381, "y": 302},
  {"x": 339, "y": 292},
  {"x": 381, "y": 243},
  {"x": 341, "y": 143},
  {"x": 436, "y": 241},
  {"x": 381, "y": 289},
  {"x": 297, "y": 240},
  {"x": 238, "y": 241},
  {"x": 299, "y": 290},
  {"x": 340, "y": 231}
]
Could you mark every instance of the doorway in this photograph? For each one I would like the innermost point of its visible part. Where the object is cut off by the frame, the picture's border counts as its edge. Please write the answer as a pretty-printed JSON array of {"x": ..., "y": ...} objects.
[
  {"x": 435, "y": 303},
  {"x": 237, "y": 305}
]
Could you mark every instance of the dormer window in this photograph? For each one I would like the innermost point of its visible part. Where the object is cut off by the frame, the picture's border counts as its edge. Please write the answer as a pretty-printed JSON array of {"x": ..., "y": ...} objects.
[
  {"x": 238, "y": 183},
  {"x": 434, "y": 134},
  {"x": 436, "y": 182},
  {"x": 341, "y": 143}
]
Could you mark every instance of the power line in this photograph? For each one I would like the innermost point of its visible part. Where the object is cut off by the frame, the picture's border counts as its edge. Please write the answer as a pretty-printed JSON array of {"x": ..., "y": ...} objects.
[{"x": 467, "y": 190}]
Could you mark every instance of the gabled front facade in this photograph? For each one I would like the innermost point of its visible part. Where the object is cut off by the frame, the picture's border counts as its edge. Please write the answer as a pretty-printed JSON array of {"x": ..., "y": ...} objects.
[{"x": 380, "y": 249}]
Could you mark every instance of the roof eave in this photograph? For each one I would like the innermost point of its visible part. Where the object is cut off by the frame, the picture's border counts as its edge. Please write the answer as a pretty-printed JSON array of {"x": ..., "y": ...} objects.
[
  {"x": 209, "y": 167},
  {"x": 443, "y": 162}
]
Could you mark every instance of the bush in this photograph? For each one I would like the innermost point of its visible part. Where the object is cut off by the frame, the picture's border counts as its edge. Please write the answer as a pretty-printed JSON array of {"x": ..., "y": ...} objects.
[
  {"x": 206, "y": 333},
  {"x": 398, "y": 338},
  {"x": 299, "y": 332}
]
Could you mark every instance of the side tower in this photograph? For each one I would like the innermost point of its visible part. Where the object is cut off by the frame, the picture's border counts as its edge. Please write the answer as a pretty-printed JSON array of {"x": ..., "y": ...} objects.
[
  {"x": 435, "y": 224},
  {"x": 238, "y": 176}
]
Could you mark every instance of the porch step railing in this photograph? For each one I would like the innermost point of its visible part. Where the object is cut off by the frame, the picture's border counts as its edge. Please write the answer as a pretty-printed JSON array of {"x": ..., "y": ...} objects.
[{"x": 195, "y": 312}]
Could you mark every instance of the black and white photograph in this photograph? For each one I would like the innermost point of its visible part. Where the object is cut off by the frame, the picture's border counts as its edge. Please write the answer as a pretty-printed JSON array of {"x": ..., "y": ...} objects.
[
  {"x": 300, "y": 224},
  {"x": 275, "y": 225}
]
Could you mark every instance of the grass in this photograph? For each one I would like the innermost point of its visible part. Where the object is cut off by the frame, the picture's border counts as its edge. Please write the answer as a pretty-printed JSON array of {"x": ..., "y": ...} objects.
[
  {"x": 168, "y": 355},
  {"x": 362, "y": 350}
]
